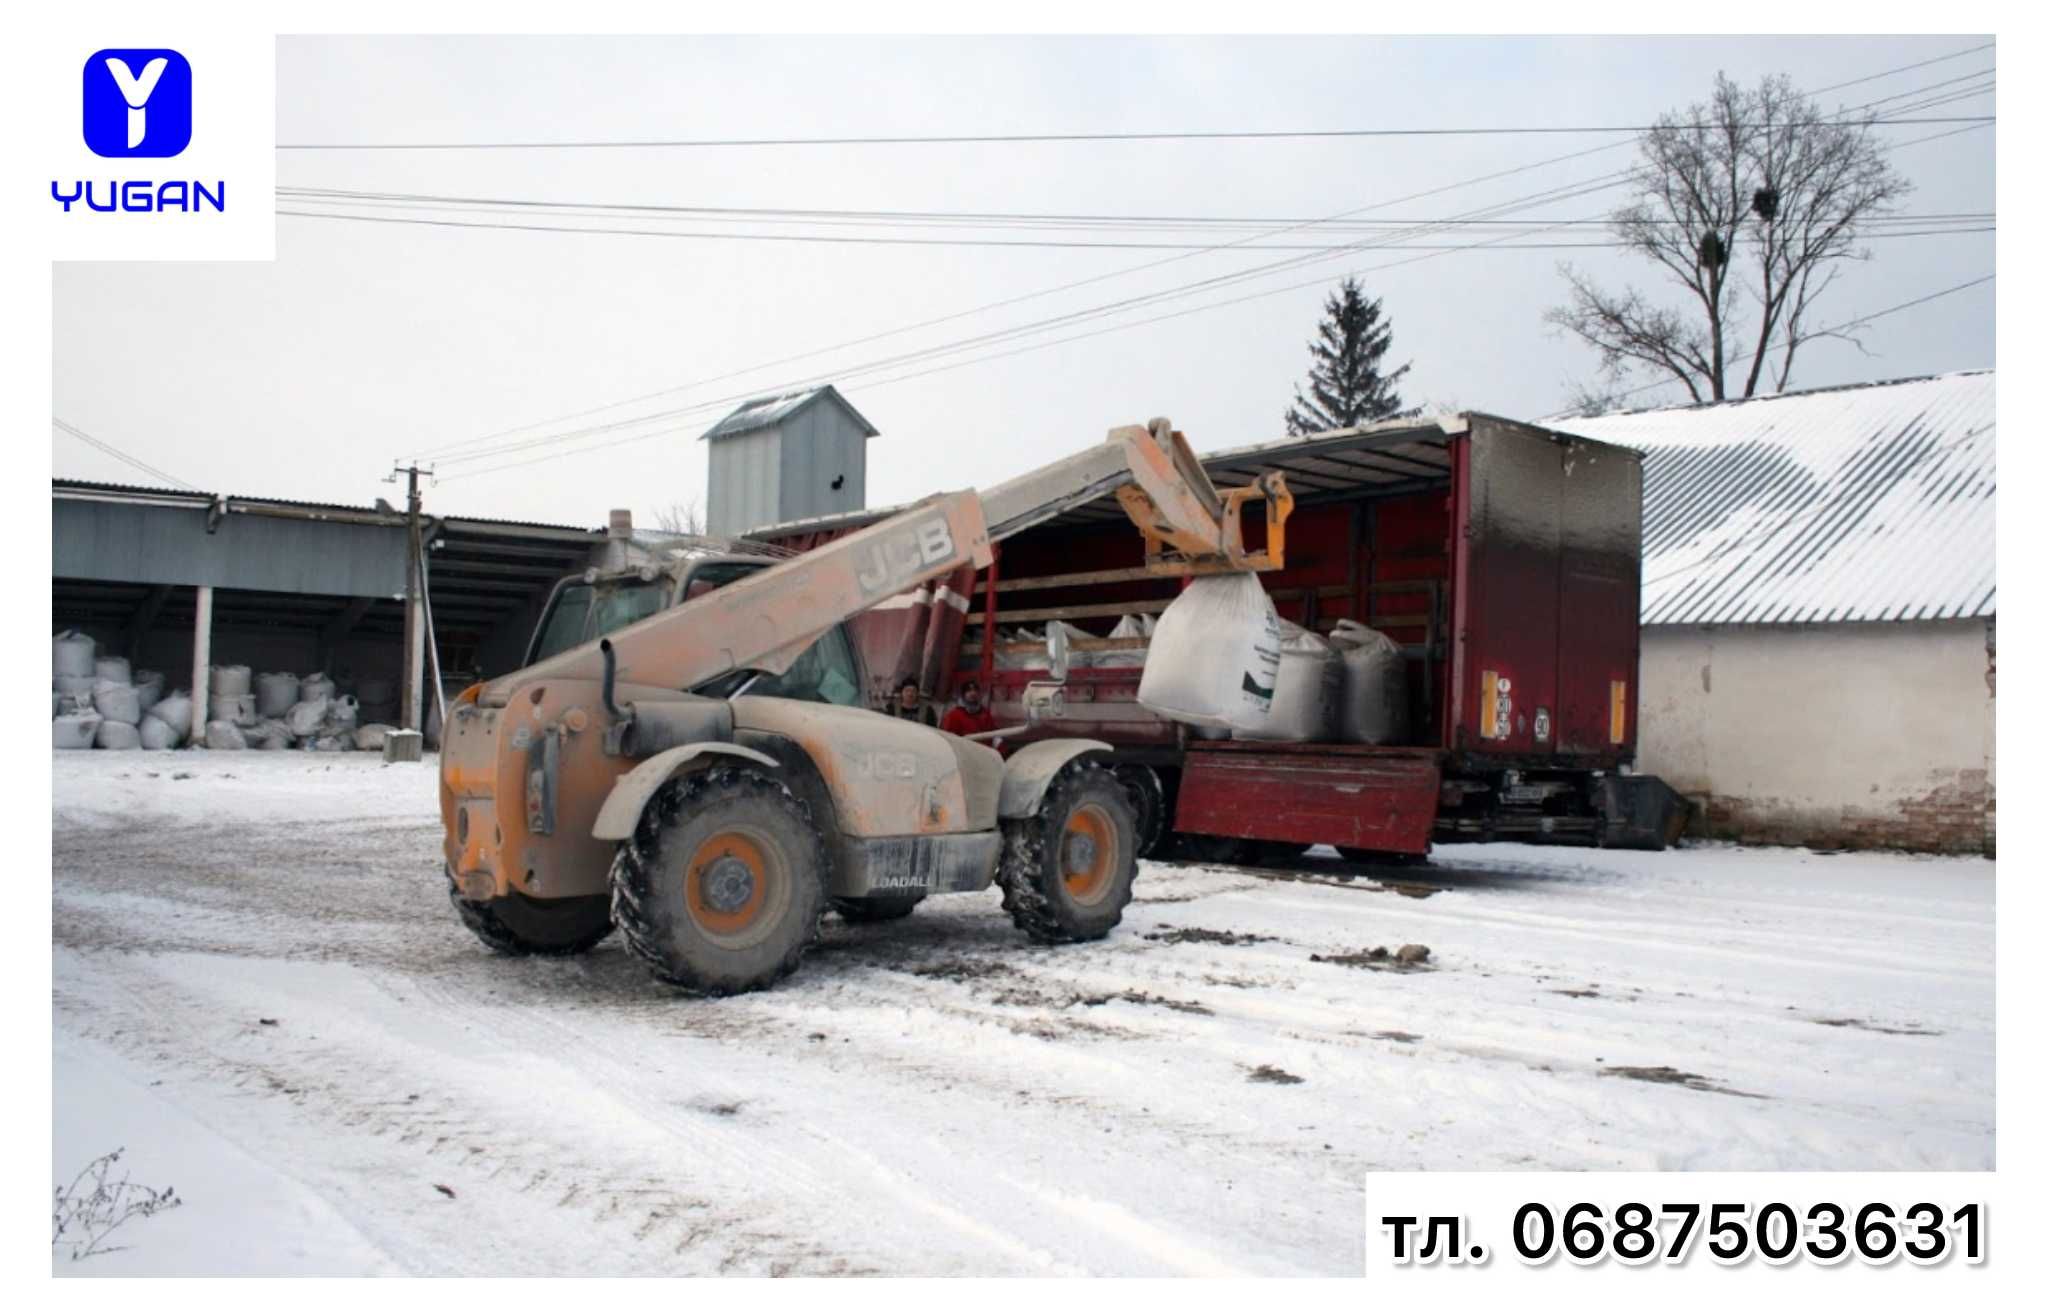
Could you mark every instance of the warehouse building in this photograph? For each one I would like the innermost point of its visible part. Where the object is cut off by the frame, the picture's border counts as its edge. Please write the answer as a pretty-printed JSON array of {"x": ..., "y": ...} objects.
[
  {"x": 175, "y": 580},
  {"x": 1820, "y": 611}
]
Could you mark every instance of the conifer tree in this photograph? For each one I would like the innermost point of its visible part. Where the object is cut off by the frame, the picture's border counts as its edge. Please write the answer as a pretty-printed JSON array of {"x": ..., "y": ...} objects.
[{"x": 1345, "y": 385}]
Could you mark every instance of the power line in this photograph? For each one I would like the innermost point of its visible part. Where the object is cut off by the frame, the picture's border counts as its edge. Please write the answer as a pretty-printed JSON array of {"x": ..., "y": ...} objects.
[
  {"x": 1152, "y": 264},
  {"x": 1582, "y": 188},
  {"x": 1022, "y": 138},
  {"x": 1039, "y": 244},
  {"x": 118, "y": 454},
  {"x": 912, "y": 357}
]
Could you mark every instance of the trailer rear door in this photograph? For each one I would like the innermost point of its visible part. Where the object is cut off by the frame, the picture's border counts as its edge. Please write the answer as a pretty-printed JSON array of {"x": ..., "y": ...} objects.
[{"x": 1547, "y": 540}]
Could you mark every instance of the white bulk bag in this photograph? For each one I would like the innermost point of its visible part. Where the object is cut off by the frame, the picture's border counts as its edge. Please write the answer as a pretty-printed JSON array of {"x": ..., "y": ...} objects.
[
  {"x": 75, "y": 732},
  {"x": 341, "y": 716},
  {"x": 156, "y": 735},
  {"x": 1308, "y": 693},
  {"x": 1375, "y": 704},
  {"x": 276, "y": 694},
  {"x": 1215, "y": 655},
  {"x": 117, "y": 701},
  {"x": 237, "y": 708},
  {"x": 331, "y": 743},
  {"x": 149, "y": 686},
  {"x": 175, "y": 711},
  {"x": 269, "y": 734},
  {"x": 305, "y": 719},
  {"x": 71, "y": 655},
  {"x": 228, "y": 680},
  {"x": 112, "y": 669},
  {"x": 78, "y": 687},
  {"x": 370, "y": 737},
  {"x": 225, "y": 736},
  {"x": 316, "y": 687},
  {"x": 1130, "y": 626},
  {"x": 114, "y": 736}
]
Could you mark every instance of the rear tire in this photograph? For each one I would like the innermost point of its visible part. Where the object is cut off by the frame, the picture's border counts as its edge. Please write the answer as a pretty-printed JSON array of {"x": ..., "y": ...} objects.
[
  {"x": 1067, "y": 870},
  {"x": 520, "y": 926},
  {"x": 1148, "y": 804},
  {"x": 873, "y": 910},
  {"x": 721, "y": 888}
]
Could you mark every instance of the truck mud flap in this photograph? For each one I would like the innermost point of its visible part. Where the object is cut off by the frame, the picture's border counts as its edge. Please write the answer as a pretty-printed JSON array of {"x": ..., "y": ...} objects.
[
  {"x": 1383, "y": 799},
  {"x": 1640, "y": 811}
]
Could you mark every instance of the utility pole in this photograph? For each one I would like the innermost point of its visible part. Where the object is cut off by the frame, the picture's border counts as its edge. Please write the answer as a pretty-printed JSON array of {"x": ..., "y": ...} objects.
[{"x": 415, "y": 594}]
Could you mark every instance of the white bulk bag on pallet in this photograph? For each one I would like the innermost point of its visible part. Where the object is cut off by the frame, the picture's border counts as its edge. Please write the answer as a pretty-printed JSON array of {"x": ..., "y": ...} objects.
[
  {"x": 175, "y": 711},
  {"x": 1215, "y": 655},
  {"x": 1375, "y": 706},
  {"x": 276, "y": 694},
  {"x": 156, "y": 735},
  {"x": 74, "y": 733},
  {"x": 306, "y": 719},
  {"x": 118, "y": 702},
  {"x": 228, "y": 680},
  {"x": 114, "y": 736},
  {"x": 71, "y": 655},
  {"x": 1308, "y": 692}
]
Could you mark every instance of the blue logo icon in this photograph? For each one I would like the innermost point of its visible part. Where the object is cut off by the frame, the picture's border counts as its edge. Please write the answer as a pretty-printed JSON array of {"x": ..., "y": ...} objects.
[{"x": 138, "y": 103}]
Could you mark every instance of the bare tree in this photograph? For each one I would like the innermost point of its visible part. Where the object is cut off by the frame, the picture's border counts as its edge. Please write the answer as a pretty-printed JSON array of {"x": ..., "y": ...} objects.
[
  {"x": 680, "y": 517},
  {"x": 1749, "y": 202}
]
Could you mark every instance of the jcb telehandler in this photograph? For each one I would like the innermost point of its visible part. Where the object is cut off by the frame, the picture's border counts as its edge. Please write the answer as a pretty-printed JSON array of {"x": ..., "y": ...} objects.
[{"x": 706, "y": 779}]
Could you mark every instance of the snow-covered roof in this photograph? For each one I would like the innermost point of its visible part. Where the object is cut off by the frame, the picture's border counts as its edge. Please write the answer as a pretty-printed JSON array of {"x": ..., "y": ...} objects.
[
  {"x": 767, "y": 411},
  {"x": 1874, "y": 502}
]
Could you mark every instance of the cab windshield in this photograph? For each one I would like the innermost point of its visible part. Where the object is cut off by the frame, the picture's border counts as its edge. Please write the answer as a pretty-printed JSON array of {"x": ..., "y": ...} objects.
[{"x": 583, "y": 612}]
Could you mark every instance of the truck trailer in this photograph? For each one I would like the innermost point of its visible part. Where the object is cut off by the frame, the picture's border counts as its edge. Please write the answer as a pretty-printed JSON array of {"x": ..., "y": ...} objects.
[{"x": 1503, "y": 558}]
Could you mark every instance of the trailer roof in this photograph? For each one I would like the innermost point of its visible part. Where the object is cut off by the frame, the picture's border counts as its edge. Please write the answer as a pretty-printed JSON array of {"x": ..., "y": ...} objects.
[
  {"x": 1390, "y": 457},
  {"x": 1872, "y": 502}
]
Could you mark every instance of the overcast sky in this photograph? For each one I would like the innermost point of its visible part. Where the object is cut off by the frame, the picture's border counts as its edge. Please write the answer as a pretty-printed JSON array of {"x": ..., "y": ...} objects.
[{"x": 366, "y": 342}]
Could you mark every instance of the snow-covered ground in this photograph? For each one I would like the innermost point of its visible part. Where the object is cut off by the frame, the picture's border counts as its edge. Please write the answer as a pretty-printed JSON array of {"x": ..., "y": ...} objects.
[{"x": 261, "y": 993}]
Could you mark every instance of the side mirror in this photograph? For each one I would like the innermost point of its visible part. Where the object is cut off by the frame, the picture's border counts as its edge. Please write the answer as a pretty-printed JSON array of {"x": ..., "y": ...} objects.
[{"x": 1058, "y": 654}]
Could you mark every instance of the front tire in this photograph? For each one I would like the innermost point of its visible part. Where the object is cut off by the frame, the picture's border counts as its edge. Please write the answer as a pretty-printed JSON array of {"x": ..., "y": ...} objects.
[
  {"x": 1067, "y": 870},
  {"x": 721, "y": 888},
  {"x": 520, "y": 926}
]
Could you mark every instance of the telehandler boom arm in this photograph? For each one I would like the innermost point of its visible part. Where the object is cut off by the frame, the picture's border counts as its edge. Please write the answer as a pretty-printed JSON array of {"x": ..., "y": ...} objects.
[{"x": 767, "y": 620}]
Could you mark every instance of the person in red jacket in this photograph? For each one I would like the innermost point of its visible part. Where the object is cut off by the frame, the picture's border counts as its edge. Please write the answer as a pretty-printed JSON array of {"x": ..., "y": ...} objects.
[{"x": 970, "y": 714}]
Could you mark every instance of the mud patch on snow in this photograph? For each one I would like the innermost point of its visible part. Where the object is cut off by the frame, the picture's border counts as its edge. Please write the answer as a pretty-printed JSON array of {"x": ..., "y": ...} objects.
[
  {"x": 1408, "y": 957},
  {"x": 1143, "y": 999},
  {"x": 1397, "y": 1036},
  {"x": 1220, "y": 937},
  {"x": 1672, "y": 1075},
  {"x": 1273, "y": 1075},
  {"x": 1871, "y": 1026}
]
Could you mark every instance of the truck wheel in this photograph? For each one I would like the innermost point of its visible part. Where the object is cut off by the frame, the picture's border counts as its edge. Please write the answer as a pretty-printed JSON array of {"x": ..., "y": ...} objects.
[
  {"x": 1148, "y": 804},
  {"x": 868, "y": 910},
  {"x": 518, "y": 926},
  {"x": 1067, "y": 871},
  {"x": 721, "y": 888}
]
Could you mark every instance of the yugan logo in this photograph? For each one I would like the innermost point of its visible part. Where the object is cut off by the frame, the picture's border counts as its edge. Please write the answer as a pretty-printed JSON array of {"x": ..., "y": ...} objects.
[
  {"x": 138, "y": 105},
  {"x": 892, "y": 563}
]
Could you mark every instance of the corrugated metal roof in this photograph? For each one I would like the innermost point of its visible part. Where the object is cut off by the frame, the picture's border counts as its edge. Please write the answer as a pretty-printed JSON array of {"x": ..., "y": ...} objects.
[
  {"x": 1875, "y": 502},
  {"x": 766, "y": 411}
]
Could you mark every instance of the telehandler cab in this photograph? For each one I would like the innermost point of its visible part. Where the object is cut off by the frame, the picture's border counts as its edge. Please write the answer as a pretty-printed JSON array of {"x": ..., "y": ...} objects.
[{"x": 685, "y": 755}]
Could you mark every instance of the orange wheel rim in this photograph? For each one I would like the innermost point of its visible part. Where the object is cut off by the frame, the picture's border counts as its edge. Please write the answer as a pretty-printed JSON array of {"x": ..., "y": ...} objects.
[
  {"x": 726, "y": 884},
  {"x": 1088, "y": 853}
]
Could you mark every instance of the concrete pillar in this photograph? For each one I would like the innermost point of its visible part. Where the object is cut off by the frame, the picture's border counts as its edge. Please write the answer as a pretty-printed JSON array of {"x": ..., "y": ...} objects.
[
  {"x": 202, "y": 660},
  {"x": 415, "y": 662}
]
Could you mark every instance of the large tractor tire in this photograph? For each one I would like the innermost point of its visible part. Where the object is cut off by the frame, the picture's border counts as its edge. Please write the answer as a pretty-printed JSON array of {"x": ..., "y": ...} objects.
[
  {"x": 1067, "y": 870},
  {"x": 1148, "y": 804},
  {"x": 519, "y": 926},
  {"x": 871, "y": 910},
  {"x": 721, "y": 888}
]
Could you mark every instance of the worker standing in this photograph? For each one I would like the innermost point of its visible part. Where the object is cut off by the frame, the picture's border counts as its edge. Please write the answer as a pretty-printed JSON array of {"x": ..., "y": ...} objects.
[
  {"x": 909, "y": 704},
  {"x": 969, "y": 715}
]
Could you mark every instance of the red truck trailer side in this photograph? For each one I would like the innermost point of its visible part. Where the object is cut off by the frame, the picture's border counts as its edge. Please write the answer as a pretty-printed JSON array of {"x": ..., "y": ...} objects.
[{"x": 1503, "y": 558}]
